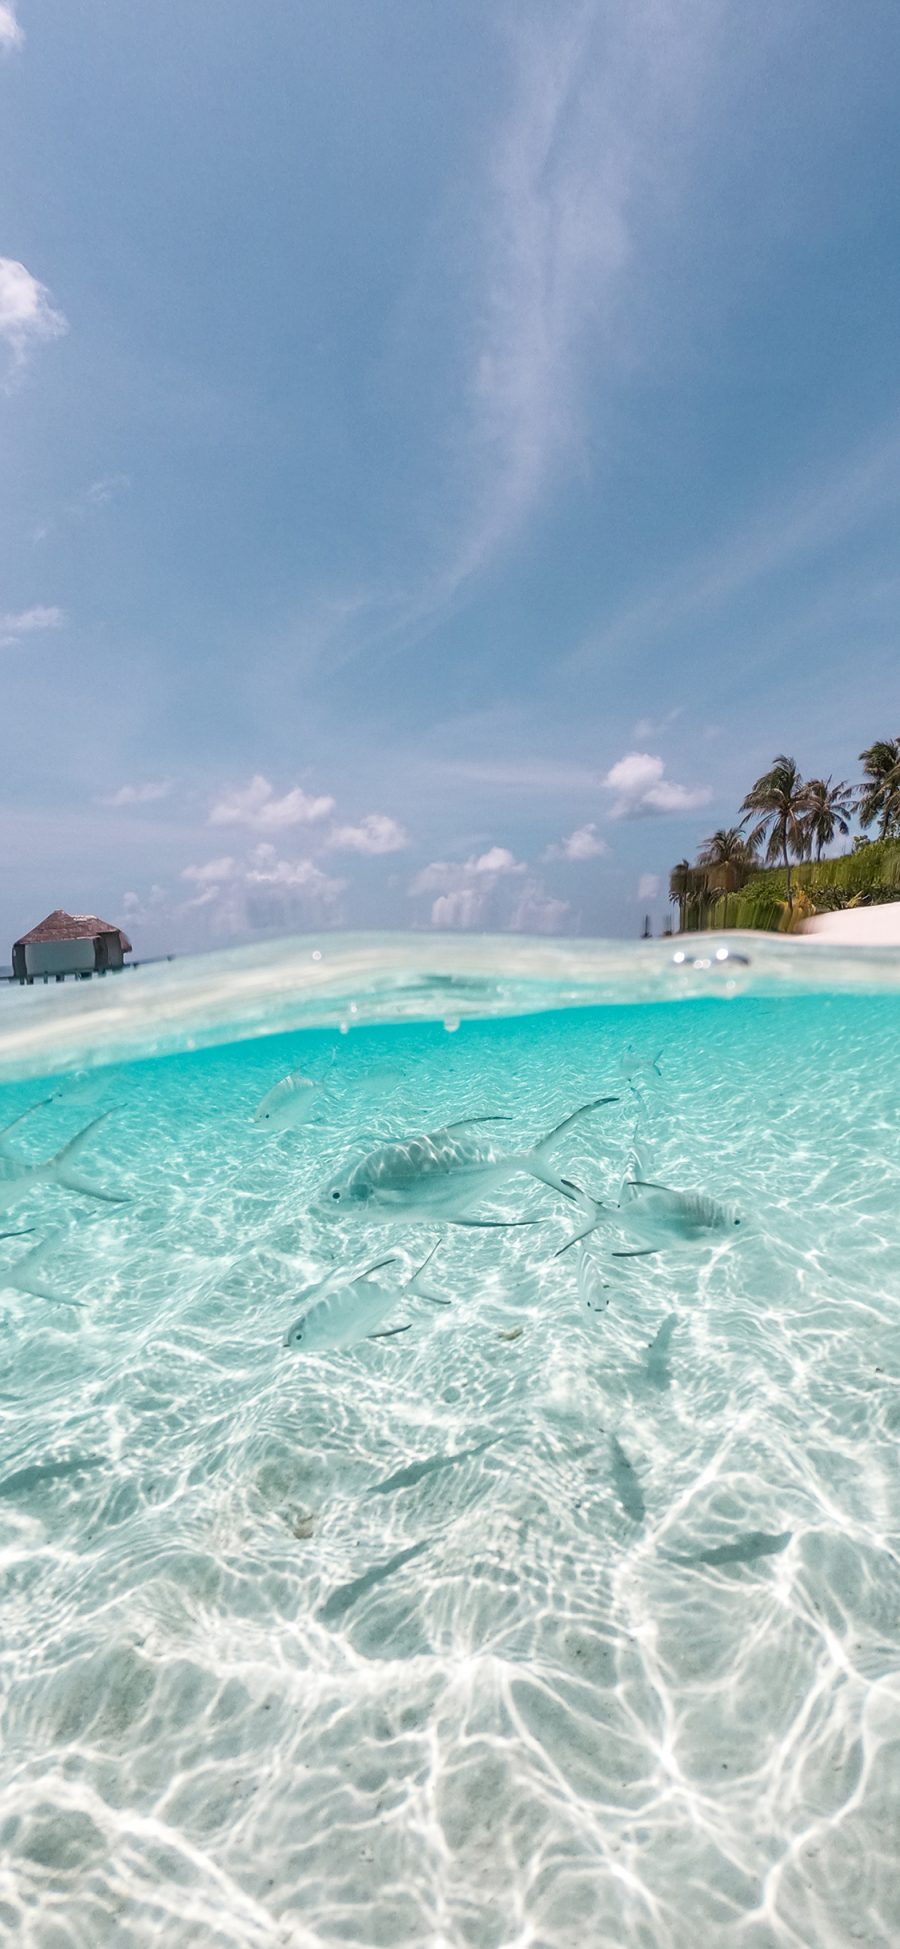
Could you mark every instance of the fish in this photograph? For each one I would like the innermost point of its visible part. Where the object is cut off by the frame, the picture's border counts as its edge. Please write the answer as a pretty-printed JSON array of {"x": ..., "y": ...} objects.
[
  {"x": 27, "y": 1274},
  {"x": 656, "y": 1365},
  {"x": 344, "y": 1595},
  {"x": 23, "y": 1116},
  {"x": 745, "y": 1549},
  {"x": 416, "y": 1471},
  {"x": 59, "y": 1169},
  {"x": 84, "y": 1087},
  {"x": 637, "y": 1070},
  {"x": 441, "y": 1175},
  {"x": 345, "y": 1312},
  {"x": 591, "y": 1283},
  {"x": 289, "y": 1103},
  {"x": 660, "y": 1216},
  {"x": 31, "y": 1477},
  {"x": 625, "y": 1482}
]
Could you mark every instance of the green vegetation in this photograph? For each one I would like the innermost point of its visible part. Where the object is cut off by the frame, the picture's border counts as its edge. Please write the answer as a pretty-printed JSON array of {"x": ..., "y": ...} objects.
[{"x": 773, "y": 875}]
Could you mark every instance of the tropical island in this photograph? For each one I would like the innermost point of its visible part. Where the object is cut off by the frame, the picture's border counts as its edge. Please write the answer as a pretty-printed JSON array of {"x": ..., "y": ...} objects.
[{"x": 771, "y": 870}]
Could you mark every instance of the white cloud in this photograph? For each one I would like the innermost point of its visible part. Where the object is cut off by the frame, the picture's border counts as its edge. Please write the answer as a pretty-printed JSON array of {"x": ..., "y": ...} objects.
[
  {"x": 584, "y": 843},
  {"x": 648, "y": 886},
  {"x": 11, "y": 34},
  {"x": 266, "y": 869},
  {"x": 467, "y": 889},
  {"x": 147, "y": 794},
  {"x": 648, "y": 727},
  {"x": 27, "y": 621},
  {"x": 641, "y": 790},
  {"x": 376, "y": 833},
  {"x": 27, "y": 316},
  {"x": 537, "y": 912},
  {"x": 214, "y": 871},
  {"x": 256, "y": 806}
]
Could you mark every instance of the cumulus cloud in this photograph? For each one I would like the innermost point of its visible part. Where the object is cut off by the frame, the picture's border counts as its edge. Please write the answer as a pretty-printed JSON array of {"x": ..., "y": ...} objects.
[
  {"x": 641, "y": 790},
  {"x": 376, "y": 833},
  {"x": 11, "y": 34},
  {"x": 255, "y": 805},
  {"x": 537, "y": 912},
  {"x": 648, "y": 886},
  {"x": 27, "y": 316},
  {"x": 214, "y": 871},
  {"x": 25, "y": 622},
  {"x": 584, "y": 843},
  {"x": 466, "y": 889},
  {"x": 147, "y": 794}
]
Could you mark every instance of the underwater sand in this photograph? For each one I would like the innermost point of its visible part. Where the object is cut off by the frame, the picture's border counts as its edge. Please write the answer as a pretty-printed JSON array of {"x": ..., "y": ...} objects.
[{"x": 248, "y": 1701}]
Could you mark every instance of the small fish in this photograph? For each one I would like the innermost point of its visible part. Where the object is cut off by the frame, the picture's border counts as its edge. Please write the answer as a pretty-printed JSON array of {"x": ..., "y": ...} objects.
[
  {"x": 31, "y": 1478},
  {"x": 659, "y": 1216},
  {"x": 21, "y": 1118},
  {"x": 637, "y": 1070},
  {"x": 510, "y": 1332},
  {"x": 345, "y": 1312},
  {"x": 592, "y": 1287},
  {"x": 416, "y": 1471},
  {"x": 746, "y": 1549},
  {"x": 26, "y": 1275},
  {"x": 656, "y": 1365},
  {"x": 626, "y": 1484},
  {"x": 59, "y": 1169},
  {"x": 442, "y": 1175},
  {"x": 288, "y": 1103},
  {"x": 84, "y": 1087},
  {"x": 346, "y": 1594}
]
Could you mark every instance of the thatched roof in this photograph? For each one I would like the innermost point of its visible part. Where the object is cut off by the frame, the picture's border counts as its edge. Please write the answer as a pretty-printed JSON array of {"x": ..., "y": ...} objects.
[{"x": 60, "y": 926}]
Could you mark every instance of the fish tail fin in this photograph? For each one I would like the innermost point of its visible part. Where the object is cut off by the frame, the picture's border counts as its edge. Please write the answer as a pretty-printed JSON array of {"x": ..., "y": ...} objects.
[
  {"x": 413, "y": 1286},
  {"x": 597, "y": 1215},
  {"x": 61, "y": 1169},
  {"x": 26, "y": 1276},
  {"x": 17, "y": 1121},
  {"x": 537, "y": 1160}
]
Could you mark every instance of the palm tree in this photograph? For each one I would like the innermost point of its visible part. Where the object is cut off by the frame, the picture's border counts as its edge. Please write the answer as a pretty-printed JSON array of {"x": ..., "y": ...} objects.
[
  {"x": 727, "y": 856},
  {"x": 780, "y": 799},
  {"x": 829, "y": 810},
  {"x": 880, "y": 794},
  {"x": 680, "y": 887}
]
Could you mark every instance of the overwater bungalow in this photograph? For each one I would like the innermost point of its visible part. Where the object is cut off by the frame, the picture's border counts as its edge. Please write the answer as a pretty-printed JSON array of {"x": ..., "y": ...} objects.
[{"x": 69, "y": 944}]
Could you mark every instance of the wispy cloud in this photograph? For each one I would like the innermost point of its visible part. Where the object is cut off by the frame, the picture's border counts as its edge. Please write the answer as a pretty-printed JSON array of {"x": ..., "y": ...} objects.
[
  {"x": 640, "y": 789},
  {"x": 584, "y": 843},
  {"x": 11, "y": 34},
  {"x": 376, "y": 833},
  {"x": 256, "y": 806},
  {"x": 147, "y": 794},
  {"x": 537, "y": 912},
  {"x": 648, "y": 886},
  {"x": 27, "y": 315},
  {"x": 27, "y": 622}
]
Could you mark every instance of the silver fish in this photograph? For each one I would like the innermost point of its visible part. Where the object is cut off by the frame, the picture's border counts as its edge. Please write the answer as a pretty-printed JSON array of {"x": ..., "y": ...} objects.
[
  {"x": 443, "y": 1174},
  {"x": 660, "y": 1217},
  {"x": 59, "y": 1169},
  {"x": 416, "y": 1471},
  {"x": 656, "y": 1365},
  {"x": 288, "y": 1103},
  {"x": 23, "y": 1117},
  {"x": 346, "y": 1594},
  {"x": 745, "y": 1549},
  {"x": 626, "y": 1484},
  {"x": 345, "y": 1312},
  {"x": 22, "y": 1480}
]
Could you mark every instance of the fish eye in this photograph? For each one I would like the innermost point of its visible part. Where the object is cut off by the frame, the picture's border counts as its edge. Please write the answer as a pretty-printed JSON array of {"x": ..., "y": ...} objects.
[
  {"x": 737, "y": 1221},
  {"x": 336, "y": 1196}
]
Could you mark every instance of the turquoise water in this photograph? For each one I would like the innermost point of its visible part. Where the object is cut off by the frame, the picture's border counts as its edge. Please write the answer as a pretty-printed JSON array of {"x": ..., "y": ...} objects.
[{"x": 277, "y": 1669}]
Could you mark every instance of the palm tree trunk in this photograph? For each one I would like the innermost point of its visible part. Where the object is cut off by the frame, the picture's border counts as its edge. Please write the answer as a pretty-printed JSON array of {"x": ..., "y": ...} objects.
[{"x": 787, "y": 868}]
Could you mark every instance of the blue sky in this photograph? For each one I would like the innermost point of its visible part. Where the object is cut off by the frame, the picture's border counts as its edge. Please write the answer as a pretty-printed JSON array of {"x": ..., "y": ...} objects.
[{"x": 448, "y": 450}]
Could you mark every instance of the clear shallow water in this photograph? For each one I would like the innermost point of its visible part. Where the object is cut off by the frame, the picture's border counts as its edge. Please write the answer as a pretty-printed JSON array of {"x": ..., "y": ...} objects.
[{"x": 250, "y": 1701}]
